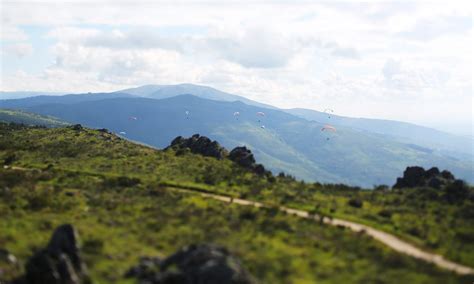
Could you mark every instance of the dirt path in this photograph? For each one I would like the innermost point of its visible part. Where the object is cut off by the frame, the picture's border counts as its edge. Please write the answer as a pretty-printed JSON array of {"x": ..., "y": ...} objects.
[{"x": 383, "y": 237}]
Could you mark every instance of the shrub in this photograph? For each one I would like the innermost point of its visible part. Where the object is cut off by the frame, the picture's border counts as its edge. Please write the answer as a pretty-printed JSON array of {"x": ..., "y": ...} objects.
[{"x": 355, "y": 202}]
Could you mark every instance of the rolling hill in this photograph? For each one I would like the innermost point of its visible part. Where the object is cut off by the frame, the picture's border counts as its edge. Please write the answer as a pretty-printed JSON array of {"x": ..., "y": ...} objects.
[{"x": 287, "y": 143}]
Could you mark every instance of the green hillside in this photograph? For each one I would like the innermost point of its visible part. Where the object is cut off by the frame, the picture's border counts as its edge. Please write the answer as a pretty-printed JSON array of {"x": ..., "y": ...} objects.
[
  {"x": 28, "y": 118},
  {"x": 122, "y": 200}
]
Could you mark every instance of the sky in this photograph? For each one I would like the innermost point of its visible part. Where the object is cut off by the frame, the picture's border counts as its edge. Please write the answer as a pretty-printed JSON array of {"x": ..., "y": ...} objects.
[{"x": 407, "y": 61}]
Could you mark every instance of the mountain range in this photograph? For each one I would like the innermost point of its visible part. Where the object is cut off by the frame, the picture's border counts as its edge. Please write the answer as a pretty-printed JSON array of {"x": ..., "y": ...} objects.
[{"x": 361, "y": 152}]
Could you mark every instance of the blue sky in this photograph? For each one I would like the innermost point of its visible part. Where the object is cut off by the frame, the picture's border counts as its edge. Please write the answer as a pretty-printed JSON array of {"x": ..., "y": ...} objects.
[{"x": 409, "y": 61}]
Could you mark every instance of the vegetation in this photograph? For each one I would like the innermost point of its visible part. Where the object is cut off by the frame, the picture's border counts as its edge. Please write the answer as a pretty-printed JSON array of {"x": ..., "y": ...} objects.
[
  {"x": 28, "y": 118},
  {"x": 121, "y": 198}
]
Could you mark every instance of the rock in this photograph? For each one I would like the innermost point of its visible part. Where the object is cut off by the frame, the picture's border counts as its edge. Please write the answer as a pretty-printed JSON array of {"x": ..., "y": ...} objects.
[
  {"x": 435, "y": 183},
  {"x": 243, "y": 157},
  {"x": 59, "y": 262},
  {"x": 199, "y": 145},
  {"x": 77, "y": 127},
  {"x": 146, "y": 268},
  {"x": 7, "y": 257},
  {"x": 412, "y": 177},
  {"x": 447, "y": 175},
  {"x": 193, "y": 264},
  {"x": 103, "y": 130},
  {"x": 433, "y": 172}
]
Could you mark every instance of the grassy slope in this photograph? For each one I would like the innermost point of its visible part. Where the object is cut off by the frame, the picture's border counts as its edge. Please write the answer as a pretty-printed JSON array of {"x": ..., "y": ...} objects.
[
  {"x": 28, "y": 118},
  {"x": 115, "y": 193}
]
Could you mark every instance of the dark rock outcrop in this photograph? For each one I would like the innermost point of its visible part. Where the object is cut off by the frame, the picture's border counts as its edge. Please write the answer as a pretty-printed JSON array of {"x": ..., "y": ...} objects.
[
  {"x": 199, "y": 145},
  {"x": 77, "y": 127},
  {"x": 195, "y": 264},
  {"x": 245, "y": 158},
  {"x": 59, "y": 262},
  {"x": 418, "y": 177}
]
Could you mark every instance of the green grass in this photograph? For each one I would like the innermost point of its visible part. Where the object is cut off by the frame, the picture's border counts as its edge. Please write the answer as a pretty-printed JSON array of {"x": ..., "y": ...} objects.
[{"x": 118, "y": 196}]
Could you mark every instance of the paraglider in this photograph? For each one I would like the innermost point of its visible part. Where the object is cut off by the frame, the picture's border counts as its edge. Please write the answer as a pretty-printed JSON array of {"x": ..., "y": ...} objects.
[
  {"x": 236, "y": 115},
  {"x": 328, "y": 111},
  {"x": 260, "y": 114},
  {"x": 123, "y": 132},
  {"x": 328, "y": 128},
  {"x": 187, "y": 114},
  {"x": 132, "y": 118}
]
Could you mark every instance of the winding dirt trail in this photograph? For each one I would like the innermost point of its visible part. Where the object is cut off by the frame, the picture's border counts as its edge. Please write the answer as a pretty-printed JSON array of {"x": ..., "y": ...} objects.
[{"x": 383, "y": 237}]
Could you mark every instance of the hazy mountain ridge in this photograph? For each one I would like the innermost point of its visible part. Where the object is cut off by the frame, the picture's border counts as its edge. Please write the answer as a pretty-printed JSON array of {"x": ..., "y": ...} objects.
[
  {"x": 451, "y": 144},
  {"x": 287, "y": 143}
]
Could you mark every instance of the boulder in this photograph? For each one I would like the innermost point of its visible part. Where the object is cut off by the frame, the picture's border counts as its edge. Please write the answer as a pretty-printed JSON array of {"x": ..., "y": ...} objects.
[
  {"x": 59, "y": 262},
  {"x": 193, "y": 264}
]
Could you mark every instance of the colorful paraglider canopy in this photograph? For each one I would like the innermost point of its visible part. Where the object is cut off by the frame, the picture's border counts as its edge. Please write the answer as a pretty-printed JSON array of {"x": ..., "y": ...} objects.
[
  {"x": 260, "y": 113},
  {"x": 328, "y": 128}
]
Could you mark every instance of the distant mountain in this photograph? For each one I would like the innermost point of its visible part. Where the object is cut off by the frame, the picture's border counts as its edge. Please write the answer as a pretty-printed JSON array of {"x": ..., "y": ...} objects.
[
  {"x": 28, "y": 118},
  {"x": 279, "y": 140},
  {"x": 168, "y": 91},
  {"x": 454, "y": 145},
  {"x": 66, "y": 99},
  {"x": 18, "y": 95}
]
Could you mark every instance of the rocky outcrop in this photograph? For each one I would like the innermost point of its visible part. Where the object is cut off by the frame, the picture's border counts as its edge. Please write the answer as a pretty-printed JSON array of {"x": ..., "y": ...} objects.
[
  {"x": 245, "y": 158},
  {"x": 193, "y": 264},
  {"x": 418, "y": 177},
  {"x": 199, "y": 145},
  {"x": 77, "y": 127},
  {"x": 202, "y": 145},
  {"x": 59, "y": 262}
]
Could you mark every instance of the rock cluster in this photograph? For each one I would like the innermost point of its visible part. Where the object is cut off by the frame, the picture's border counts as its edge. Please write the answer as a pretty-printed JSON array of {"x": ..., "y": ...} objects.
[
  {"x": 59, "y": 262},
  {"x": 199, "y": 145},
  {"x": 418, "y": 177},
  {"x": 193, "y": 264},
  {"x": 202, "y": 145}
]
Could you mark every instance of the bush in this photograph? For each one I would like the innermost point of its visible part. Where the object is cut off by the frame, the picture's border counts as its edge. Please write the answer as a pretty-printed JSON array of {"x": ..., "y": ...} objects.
[
  {"x": 385, "y": 213},
  {"x": 355, "y": 202}
]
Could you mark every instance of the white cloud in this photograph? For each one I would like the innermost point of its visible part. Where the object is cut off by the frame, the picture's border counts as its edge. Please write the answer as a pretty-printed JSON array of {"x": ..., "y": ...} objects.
[
  {"x": 358, "y": 58},
  {"x": 19, "y": 49}
]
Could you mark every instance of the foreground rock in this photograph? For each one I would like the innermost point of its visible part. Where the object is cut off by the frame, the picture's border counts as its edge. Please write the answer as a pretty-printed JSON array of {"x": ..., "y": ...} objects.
[
  {"x": 418, "y": 177},
  {"x": 194, "y": 264},
  {"x": 59, "y": 262},
  {"x": 199, "y": 145}
]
